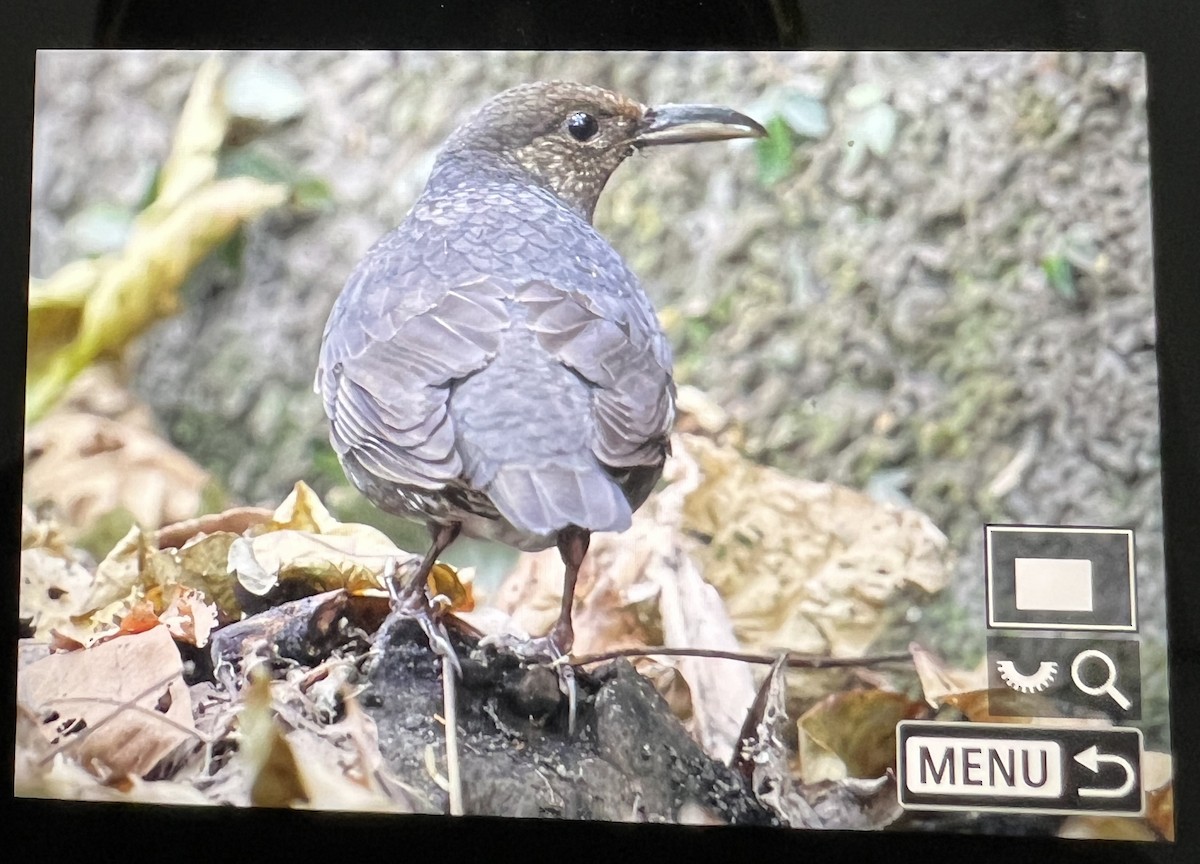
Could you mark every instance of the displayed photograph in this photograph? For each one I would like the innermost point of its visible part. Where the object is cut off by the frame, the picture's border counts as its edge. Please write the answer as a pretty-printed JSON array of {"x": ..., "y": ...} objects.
[{"x": 696, "y": 438}]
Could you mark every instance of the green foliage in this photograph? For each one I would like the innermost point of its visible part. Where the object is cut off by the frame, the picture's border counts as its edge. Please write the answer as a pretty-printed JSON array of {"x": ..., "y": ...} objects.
[
  {"x": 309, "y": 194},
  {"x": 775, "y": 152},
  {"x": 1061, "y": 275}
]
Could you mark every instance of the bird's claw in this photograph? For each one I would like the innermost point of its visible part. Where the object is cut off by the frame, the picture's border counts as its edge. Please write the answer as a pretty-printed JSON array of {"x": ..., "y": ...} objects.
[
  {"x": 543, "y": 649},
  {"x": 413, "y": 605}
]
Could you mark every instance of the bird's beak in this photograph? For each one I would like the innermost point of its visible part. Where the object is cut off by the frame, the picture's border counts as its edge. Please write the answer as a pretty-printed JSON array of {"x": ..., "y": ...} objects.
[{"x": 689, "y": 124}]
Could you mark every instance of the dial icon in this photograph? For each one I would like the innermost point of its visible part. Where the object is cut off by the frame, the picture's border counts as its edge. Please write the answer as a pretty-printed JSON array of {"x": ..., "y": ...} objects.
[{"x": 1035, "y": 683}]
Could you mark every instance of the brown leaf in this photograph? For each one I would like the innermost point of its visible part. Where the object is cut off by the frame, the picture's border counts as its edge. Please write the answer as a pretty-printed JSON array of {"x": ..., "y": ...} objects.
[
  {"x": 88, "y": 466},
  {"x": 140, "y": 618},
  {"x": 290, "y": 763},
  {"x": 445, "y": 580},
  {"x": 858, "y": 729},
  {"x": 302, "y": 510},
  {"x": 813, "y": 567},
  {"x": 236, "y": 520},
  {"x": 351, "y": 560},
  {"x": 1036, "y": 709},
  {"x": 694, "y": 616},
  {"x": 202, "y": 564},
  {"x": 1160, "y": 810},
  {"x": 188, "y": 617},
  {"x": 847, "y": 803},
  {"x": 272, "y": 769},
  {"x": 938, "y": 680},
  {"x": 117, "y": 707}
]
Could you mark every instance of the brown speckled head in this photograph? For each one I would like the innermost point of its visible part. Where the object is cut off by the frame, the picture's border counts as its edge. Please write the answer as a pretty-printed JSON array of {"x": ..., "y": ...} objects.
[{"x": 570, "y": 137}]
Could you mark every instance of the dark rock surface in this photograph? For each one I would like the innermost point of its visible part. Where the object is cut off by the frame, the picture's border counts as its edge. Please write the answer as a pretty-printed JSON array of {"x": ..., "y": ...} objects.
[{"x": 628, "y": 760}]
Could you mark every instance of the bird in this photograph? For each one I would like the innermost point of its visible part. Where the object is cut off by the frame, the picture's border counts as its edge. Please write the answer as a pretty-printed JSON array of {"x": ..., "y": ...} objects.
[{"x": 492, "y": 367}]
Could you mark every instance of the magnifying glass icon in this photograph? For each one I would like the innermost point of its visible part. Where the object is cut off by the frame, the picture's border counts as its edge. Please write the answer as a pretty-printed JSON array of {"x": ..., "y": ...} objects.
[{"x": 1109, "y": 685}]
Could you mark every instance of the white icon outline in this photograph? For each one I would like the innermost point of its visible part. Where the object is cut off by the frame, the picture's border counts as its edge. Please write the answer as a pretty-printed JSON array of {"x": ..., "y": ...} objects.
[
  {"x": 996, "y": 621},
  {"x": 1091, "y": 758},
  {"x": 1109, "y": 687},
  {"x": 972, "y": 731},
  {"x": 1022, "y": 683}
]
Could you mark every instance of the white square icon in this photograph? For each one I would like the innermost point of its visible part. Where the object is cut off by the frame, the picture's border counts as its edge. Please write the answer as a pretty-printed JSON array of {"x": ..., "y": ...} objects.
[
  {"x": 1060, "y": 577},
  {"x": 1053, "y": 584}
]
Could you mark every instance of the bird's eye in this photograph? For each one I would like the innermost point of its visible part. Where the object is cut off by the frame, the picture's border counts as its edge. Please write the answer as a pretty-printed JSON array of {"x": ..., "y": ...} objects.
[{"x": 582, "y": 126}]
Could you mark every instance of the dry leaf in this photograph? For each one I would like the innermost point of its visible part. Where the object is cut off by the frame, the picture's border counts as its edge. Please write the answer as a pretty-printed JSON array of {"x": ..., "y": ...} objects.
[
  {"x": 812, "y": 567},
  {"x": 853, "y": 734},
  {"x": 1160, "y": 810},
  {"x": 271, "y": 769},
  {"x": 235, "y": 521},
  {"x": 139, "y": 619},
  {"x": 302, "y": 510},
  {"x": 938, "y": 680},
  {"x": 455, "y": 585},
  {"x": 81, "y": 697},
  {"x": 96, "y": 307},
  {"x": 54, "y": 583},
  {"x": 303, "y": 541},
  {"x": 693, "y": 615},
  {"x": 324, "y": 561},
  {"x": 188, "y": 617},
  {"x": 332, "y": 767},
  {"x": 136, "y": 575},
  {"x": 202, "y": 564},
  {"x": 89, "y": 466},
  {"x": 848, "y": 803}
]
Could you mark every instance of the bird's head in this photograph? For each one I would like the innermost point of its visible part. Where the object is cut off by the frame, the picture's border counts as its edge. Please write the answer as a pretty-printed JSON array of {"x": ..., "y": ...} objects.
[{"x": 571, "y": 137}]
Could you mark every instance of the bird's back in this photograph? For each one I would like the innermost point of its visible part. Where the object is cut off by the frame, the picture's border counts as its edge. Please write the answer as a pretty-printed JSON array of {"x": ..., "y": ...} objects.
[{"x": 493, "y": 361}]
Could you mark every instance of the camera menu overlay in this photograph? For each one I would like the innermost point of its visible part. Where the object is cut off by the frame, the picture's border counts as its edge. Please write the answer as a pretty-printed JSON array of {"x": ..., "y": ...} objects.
[
  {"x": 983, "y": 766},
  {"x": 1059, "y": 581},
  {"x": 1041, "y": 578},
  {"x": 1057, "y": 676}
]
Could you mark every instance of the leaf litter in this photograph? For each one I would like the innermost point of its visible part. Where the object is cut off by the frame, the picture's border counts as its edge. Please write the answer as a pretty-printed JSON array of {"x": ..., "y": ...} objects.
[{"x": 284, "y": 600}]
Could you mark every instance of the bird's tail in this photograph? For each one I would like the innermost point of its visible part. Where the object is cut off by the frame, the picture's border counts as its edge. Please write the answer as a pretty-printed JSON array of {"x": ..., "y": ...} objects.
[{"x": 546, "y": 499}]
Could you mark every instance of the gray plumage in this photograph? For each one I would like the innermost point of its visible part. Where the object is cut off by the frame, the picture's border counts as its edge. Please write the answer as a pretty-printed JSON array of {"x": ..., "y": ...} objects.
[
  {"x": 492, "y": 361},
  {"x": 492, "y": 367}
]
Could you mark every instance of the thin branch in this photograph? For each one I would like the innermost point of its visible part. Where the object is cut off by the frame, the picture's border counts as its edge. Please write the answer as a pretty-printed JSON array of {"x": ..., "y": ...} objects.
[
  {"x": 120, "y": 706},
  {"x": 794, "y": 661},
  {"x": 450, "y": 700}
]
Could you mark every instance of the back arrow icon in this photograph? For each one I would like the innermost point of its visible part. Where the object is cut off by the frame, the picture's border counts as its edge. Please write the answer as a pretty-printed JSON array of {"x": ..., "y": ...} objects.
[{"x": 1091, "y": 759}]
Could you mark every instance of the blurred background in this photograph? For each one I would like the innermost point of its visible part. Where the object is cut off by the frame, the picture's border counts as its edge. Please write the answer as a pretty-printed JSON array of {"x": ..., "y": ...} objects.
[{"x": 932, "y": 283}]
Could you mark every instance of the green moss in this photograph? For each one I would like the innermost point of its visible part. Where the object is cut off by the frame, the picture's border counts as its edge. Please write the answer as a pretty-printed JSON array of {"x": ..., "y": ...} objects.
[{"x": 104, "y": 532}]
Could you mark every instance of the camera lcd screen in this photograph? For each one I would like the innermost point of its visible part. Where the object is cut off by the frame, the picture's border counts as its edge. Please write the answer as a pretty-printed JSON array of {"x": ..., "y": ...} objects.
[{"x": 717, "y": 438}]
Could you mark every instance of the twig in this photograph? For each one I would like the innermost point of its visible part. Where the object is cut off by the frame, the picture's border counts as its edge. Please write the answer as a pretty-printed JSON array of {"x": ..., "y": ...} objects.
[
  {"x": 794, "y": 661},
  {"x": 450, "y": 701}
]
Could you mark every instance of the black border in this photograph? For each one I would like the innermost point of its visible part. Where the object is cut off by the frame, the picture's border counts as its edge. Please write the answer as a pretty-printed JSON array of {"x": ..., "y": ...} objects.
[{"x": 1167, "y": 30}]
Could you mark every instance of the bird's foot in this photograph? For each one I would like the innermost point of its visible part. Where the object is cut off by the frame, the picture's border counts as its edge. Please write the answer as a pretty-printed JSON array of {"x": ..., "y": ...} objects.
[
  {"x": 409, "y": 603},
  {"x": 548, "y": 650}
]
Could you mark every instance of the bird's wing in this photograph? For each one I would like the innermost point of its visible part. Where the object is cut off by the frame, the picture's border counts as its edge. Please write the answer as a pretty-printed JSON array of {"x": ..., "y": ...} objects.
[
  {"x": 386, "y": 398},
  {"x": 622, "y": 353}
]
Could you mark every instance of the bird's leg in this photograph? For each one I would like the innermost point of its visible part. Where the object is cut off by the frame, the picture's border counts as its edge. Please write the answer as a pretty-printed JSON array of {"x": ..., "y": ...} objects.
[
  {"x": 409, "y": 600},
  {"x": 572, "y": 546},
  {"x": 412, "y": 592},
  {"x": 555, "y": 646}
]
